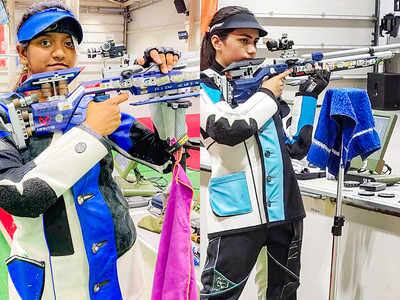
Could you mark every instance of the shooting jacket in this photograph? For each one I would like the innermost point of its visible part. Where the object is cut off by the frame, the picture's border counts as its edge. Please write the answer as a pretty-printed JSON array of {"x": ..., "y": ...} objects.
[
  {"x": 252, "y": 179},
  {"x": 74, "y": 236}
]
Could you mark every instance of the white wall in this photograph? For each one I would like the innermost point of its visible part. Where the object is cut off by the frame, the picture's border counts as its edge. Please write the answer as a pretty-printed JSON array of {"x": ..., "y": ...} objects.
[
  {"x": 158, "y": 25},
  {"x": 98, "y": 28},
  {"x": 338, "y": 7}
]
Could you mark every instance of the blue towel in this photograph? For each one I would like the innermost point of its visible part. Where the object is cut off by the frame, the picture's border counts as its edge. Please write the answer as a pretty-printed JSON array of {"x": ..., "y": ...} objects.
[{"x": 347, "y": 113}]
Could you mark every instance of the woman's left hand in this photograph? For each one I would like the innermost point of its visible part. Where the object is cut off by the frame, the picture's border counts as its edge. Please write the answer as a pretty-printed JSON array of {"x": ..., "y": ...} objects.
[
  {"x": 165, "y": 58},
  {"x": 315, "y": 84}
]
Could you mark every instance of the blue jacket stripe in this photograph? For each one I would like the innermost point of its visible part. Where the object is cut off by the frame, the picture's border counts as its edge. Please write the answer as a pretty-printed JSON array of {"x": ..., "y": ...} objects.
[
  {"x": 4, "y": 134},
  {"x": 308, "y": 107},
  {"x": 4, "y": 108},
  {"x": 97, "y": 227},
  {"x": 273, "y": 171},
  {"x": 214, "y": 94},
  {"x": 121, "y": 136},
  {"x": 27, "y": 277}
]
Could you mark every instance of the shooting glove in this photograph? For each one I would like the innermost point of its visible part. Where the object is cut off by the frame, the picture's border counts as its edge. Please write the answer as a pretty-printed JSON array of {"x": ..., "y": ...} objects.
[
  {"x": 161, "y": 50},
  {"x": 315, "y": 84}
]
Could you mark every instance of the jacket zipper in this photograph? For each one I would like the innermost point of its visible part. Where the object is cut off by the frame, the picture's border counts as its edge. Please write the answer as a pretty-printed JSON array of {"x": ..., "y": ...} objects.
[
  {"x": 254, "y": 181},
  {"x": 265, "y": 200}
]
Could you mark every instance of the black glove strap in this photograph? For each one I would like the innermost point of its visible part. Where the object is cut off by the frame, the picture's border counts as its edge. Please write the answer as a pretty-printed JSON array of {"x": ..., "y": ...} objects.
[{"x": 147, "y": 58}]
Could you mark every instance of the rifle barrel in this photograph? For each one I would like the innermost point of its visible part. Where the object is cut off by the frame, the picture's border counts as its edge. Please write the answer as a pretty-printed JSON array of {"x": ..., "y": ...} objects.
[
  {"x": 356, "y": 51},
  {"x": 383, "y": 55}
]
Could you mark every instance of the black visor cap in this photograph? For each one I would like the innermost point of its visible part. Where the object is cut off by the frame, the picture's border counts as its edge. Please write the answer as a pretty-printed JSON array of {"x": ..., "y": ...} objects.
[{"x": 242, "y": 20}]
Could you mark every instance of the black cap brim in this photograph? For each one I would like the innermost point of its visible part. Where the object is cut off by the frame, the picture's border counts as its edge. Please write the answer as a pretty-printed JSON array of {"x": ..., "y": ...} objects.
[{"x": 242, "y": 20}]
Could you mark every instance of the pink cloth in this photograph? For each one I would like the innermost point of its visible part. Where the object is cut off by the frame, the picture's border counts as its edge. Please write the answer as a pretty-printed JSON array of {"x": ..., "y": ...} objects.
[{"x": 174, "y": 276}]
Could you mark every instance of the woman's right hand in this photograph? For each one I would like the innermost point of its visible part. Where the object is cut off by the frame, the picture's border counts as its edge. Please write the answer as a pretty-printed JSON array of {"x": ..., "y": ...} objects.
[
  {"x": 105, "y": 117},
  {"x": 276, "y": 83}
]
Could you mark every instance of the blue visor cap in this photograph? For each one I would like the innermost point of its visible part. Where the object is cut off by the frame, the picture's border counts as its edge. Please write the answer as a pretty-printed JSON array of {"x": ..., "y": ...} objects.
[
  {"x": 241, "y": 20},
  {"x": 39, "y": 22}
]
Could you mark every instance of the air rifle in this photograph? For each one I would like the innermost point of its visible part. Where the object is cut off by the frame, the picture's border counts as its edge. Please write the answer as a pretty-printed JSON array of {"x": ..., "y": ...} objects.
[
  {"x": 50, "y": 106},
  {"x": 242, "y": 79}
]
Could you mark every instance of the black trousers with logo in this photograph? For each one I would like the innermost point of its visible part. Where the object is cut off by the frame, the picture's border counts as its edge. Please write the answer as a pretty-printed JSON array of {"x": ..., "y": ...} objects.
[{"x": 230, "y": 259}]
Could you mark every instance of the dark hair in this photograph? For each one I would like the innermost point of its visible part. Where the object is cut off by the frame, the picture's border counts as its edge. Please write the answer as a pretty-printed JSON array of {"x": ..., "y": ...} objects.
[
  {"x": 207, "y": 52},
  {"x": 40, "y": 6}
]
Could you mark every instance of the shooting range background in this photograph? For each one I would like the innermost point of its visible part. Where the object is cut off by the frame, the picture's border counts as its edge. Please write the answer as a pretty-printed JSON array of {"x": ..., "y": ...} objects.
[
  {"x": 325, "y": 26},
  {"x": 158, "y": 24},
  {"x": 317, "y": 25},
  {"x": 153, "y": 23}
]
